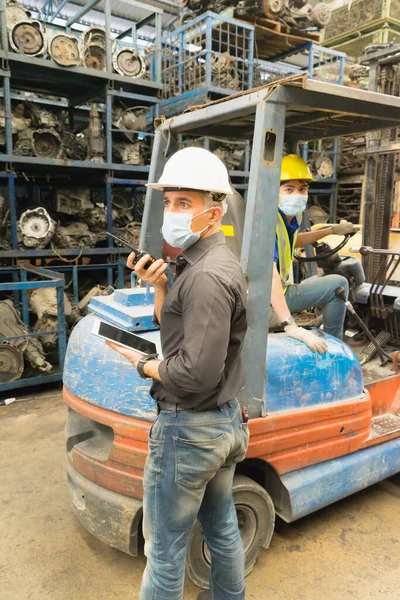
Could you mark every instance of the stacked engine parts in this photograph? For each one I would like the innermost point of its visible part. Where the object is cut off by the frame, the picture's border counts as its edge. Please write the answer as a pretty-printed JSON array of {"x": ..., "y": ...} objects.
[
  {"x": 43, "y": 133},
  {"x": 29, "y": 36},
  {"x": 130, "y": 146},
  {"x": 294, "y": 13}
]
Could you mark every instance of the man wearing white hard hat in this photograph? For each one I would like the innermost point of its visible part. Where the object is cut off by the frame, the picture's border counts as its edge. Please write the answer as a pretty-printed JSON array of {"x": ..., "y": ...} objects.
[{"x": 201, "y": 432}]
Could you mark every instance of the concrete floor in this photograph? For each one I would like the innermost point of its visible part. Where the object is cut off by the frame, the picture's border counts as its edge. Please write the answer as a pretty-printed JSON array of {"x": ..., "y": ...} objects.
[{"x": 347, "y": 551}]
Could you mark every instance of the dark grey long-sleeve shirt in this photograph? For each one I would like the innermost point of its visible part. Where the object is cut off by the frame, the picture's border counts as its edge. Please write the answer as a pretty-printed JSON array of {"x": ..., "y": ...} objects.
[{"x": 203, "y": 324}]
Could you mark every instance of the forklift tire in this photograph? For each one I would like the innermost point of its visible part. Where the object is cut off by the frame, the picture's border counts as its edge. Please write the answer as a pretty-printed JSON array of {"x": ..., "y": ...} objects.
[{"x": 256, "y": 516}]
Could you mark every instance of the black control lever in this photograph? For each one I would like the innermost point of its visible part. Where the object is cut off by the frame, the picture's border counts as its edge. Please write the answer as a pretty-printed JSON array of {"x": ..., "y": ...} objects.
[{"x": 384, "y": 356}]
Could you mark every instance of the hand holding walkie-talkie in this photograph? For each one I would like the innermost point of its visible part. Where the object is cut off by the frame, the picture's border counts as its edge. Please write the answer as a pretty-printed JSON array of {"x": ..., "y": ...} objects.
[{"x": 138, "y": 253}]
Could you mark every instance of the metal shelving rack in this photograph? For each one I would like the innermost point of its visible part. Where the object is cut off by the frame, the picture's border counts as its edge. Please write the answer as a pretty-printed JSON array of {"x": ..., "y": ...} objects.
[{"x": 74, "y": 87}]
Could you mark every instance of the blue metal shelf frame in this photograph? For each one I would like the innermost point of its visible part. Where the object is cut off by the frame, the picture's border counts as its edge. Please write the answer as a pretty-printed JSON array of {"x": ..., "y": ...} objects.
[{"x": 21, "y": 284}]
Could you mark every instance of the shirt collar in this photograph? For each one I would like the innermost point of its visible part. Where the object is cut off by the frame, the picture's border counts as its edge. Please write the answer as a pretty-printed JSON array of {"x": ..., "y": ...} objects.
[
  {"x": 293, "y": 222},
  {"x": 192, "y": 254}
]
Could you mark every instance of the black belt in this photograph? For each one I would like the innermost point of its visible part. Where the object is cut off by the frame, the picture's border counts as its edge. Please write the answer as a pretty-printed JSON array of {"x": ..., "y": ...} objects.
[{"x": 177, "y": 407}]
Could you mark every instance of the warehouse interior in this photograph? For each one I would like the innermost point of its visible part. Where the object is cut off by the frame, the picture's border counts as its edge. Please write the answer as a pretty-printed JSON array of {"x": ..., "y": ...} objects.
[{"x": 83, "y": 86}]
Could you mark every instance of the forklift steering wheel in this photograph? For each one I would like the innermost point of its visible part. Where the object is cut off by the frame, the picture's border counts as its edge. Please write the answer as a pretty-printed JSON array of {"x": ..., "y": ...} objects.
[{"x": 324, "y": 255}]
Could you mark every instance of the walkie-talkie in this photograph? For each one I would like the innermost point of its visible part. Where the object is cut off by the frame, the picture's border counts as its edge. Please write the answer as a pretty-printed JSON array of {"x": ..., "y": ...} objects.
[{"x": 138, "y": 253}]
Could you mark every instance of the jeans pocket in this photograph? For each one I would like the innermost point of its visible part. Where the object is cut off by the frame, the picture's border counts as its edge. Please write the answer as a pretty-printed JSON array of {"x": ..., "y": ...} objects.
[
  {"x": 155, "y": 433},
  {"x": 196, "y": 462},
  {"x": 244, "y": 437}
]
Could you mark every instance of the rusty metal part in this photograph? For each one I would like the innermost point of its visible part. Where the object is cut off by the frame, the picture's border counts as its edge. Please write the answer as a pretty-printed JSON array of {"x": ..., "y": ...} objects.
[
  {"x": 94, "y": 57},
  {"x": 11, "y": 362},
  {"x": 47, "y": 143},
  {"x": 64, "y": 50},
  {"x": 129, "y": 63},
  {"x": 27, "y": 37},
  {"x": 273, "y": 9}
]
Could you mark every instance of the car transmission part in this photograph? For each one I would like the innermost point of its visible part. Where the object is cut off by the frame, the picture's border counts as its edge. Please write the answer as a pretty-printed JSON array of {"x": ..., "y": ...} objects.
[
  {"x": 321, "y": 166},
  {"x": 76, "y": 235},
  {"x": 47, "y": 143},
  {"x": 71, "y": 201},
  {"x": 224, "y": 72},
  {"x": 232, "y": 157},
  {"x": 15, "y": 13},
  {"x": 27, "y": 37},
  {"x": 11, "y": 325},
  {"x": 11, "y": 362},
  {"x": 43, "y": 302},
  {"x": 96, "y": 140},
  {"x": 132, "y": 119},
  {"x": 18, "y": 120},
  {"x": 74, "y": 146},
  {"x": 94, "y": 35},
  {"x": 128, "y": 153},
  {"x": 43, "y": 117},
  {"x": 128, "y": 62},
  {"x": 23, "y": 145},
  {"x": 64, "y": 50},
  {"x": 36, "y": 228},
  {"x": 94, "y": 57}
]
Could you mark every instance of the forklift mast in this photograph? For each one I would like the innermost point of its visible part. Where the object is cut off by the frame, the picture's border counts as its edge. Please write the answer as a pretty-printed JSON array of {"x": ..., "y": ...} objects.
[{"x": 383, "y": 61}]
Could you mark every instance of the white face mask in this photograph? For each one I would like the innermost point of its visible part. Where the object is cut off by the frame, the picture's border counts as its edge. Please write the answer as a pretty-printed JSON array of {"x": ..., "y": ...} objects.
[
  {"x": 293, "y": 204},
  {"x": 176, "y": 229}
]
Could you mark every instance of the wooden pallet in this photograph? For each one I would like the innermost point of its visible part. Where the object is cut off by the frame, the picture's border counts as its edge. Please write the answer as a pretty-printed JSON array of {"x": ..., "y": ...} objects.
[{"x": 275, "y": 37}]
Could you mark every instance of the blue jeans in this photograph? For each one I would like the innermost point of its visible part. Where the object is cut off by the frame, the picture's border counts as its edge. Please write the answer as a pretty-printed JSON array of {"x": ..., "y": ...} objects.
[
  {"x": 321, "y": 290},
  {"x": 188, "y": 474}
]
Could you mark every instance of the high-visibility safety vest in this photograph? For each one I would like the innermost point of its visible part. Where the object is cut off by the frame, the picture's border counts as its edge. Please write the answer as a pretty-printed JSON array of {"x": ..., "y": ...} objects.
[{"x": 285, "y": 249}]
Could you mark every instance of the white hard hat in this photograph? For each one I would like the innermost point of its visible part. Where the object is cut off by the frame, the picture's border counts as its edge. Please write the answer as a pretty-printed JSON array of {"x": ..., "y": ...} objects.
[{"x": 194, "y": 169}]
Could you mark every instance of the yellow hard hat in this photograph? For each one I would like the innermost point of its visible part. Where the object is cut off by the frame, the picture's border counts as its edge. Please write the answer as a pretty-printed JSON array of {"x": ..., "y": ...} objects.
[{"x": 294, "y": 167}]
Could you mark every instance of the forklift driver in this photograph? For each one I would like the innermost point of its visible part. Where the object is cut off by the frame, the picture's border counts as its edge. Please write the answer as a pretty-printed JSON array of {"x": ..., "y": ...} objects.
[{"x": 286, "y": 297}]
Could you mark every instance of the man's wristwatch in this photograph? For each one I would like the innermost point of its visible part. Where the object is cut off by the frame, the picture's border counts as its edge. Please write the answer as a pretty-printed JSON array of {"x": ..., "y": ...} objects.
[
  {"x": 288, "y": 321},
  {"x": 142, "y": 362}
]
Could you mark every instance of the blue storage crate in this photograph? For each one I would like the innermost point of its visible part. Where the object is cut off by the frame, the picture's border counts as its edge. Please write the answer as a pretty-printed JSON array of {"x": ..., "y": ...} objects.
[{"x": 211, "y": 51}]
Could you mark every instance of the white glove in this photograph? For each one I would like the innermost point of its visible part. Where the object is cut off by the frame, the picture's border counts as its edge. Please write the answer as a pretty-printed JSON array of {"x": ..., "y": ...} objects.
[
  {"x": 315, "y": 343},
  {"x": 344, "y": 227}
]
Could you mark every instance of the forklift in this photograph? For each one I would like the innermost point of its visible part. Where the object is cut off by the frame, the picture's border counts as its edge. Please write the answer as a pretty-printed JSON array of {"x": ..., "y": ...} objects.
[{"x": 319, "y": 432}]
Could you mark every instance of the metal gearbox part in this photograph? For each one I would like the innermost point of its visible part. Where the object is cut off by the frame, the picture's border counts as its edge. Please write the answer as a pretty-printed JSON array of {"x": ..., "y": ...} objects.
[
  {"x": 132, "y": 119},
  {"x": 11, "y": 325},
  {"x": 43, "y": 302},
  {"x": 94, "y": 57},
  {"x": 11, "y": 362},
  {"x": 18, "y": 120},
  {"x": 23, "y": 145},
  {"x": 94, "y": 35},
  {"x": 27, "y": 37},
  {"x": 47, "y": 143},
  {"x": 321, "y": 15},
  {"x": 64, "y": 50},
  {"x": 224, "y": 72},
  {"x": 43, "y": 117},
  {"x": 76, "y": 235},
  {"x": 321, "y": 166},
  {"x": 15, "y": 13},
  {"x": 93, "y": 52},
  {"x": 231, "y": 156},
  {"x": 96, "y": 140},
  {"x": 36, "y": 228},
  {"x": 128, "y": 153},
  {"x": 72, "y": 201},
  {"x": 129, "y": 63},
  {"x": 74, "y": 146},
  {"x": 273, "y": 9}
]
